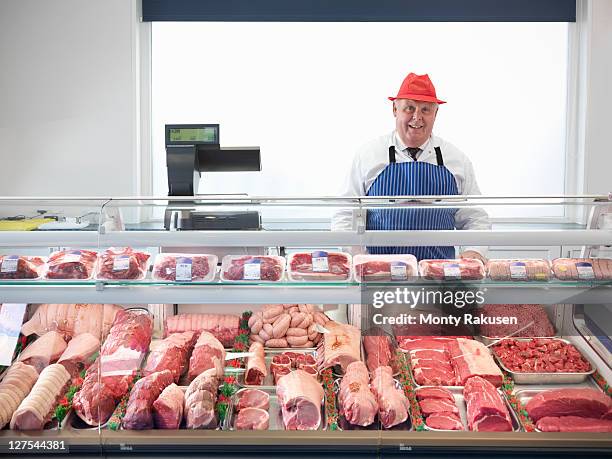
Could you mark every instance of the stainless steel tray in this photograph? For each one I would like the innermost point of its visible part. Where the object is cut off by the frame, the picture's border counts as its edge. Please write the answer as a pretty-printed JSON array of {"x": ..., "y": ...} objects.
[
  {"x": 489, "y": 340},
  {"x": 268, "y": 382},
  {"x": 274, "y": 410},
  {"x": 547, "y": 378},
  {"x": 460, "y": 403}
]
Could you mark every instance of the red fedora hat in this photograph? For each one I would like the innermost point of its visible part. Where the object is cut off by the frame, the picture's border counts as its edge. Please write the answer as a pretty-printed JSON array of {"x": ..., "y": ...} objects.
[{"x": 417, "y": 87}]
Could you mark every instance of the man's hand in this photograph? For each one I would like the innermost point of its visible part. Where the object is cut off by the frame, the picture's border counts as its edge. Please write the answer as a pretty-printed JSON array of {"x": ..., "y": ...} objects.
[{"x": 473, "y": 254}]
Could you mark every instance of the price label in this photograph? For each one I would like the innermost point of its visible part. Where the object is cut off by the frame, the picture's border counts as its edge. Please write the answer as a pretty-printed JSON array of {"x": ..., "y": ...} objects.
[
  {"x": 121, "y": 263},
  {"x": 452, "y": 271},
  {"x": 585, "y": 271},
  {"x": 9, "y": 264},
  {"x": 183, "y": 269},
  {"x": 518, "y": 270},
  {"x": 11, "y": 318},
  {"x": 398, "y": 271},
  {"x": 252, "y": 270},
  {"x": 320, "y": 263},
  {"x": 72, "y": 257}
]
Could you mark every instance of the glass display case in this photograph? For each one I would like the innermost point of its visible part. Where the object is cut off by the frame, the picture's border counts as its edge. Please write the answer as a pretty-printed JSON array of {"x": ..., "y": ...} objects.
[{"x": 128, "y": 325}]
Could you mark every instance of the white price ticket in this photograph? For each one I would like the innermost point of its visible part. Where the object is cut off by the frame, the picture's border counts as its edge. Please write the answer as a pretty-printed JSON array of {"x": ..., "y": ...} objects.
[{"x": 11, "y": 318}]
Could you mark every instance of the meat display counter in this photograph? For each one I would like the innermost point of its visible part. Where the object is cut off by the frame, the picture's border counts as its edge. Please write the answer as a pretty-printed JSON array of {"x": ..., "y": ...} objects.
[{"x": 123, "y": 337}]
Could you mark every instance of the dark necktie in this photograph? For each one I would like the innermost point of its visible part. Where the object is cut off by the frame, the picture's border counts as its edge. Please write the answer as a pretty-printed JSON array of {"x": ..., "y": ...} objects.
[{"x": 413, "y": 151}]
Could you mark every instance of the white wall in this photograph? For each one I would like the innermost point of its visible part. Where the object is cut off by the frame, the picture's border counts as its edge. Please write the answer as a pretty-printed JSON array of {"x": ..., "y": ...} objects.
[
  {"x": 68, "y": 105},
  {"x": 69, "y": 85}
]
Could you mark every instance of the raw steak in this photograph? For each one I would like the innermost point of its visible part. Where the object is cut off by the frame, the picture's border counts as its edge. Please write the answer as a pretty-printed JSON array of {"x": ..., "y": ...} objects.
[
  {"x": 16, "y": 267},
  {"x": 256, "y": 369},
  {"x": 72, "y": 319},
  {"x": 252, "y": 419},
  {"x": 139, "y": 411},
  {"x": 224, "y": 327},
  {"x": 357, "y": 402},
  {"x": 301, "y": 398},
  {"x": 341, "y": 346},
  {"x": 44, "y": 351},
  {"x": 252, "y": 398},
  {"x": 170, "y": 354},
  {"x": 573, "y": 424},
  {"x": 440, "y": 356},
  {"x": 122, "y": 263},
  {"x": 80, "y": 353},
  {"x": 378, "y": 351},
  {"x": 385, "y": 268},
  {"x": 108, "y": 379},
  {"x": 439, "y": 393},
  {"x": 392, "y": 403},
  {"x": 541, "y": 355},
  {"x": 37, "y": 408},
  {"x": 208, "y": 353},
  {"x": 584, "y": 402},
  {"x": 280, "y": 363},
  {"x": 429, "y": 344},
  {"x": 200, "y": 401},
  {"x": 201, "y": 267},
  {"x": 71, "y": 264},
  {"x": 434, "y": 375},
  {"x": 432, "y": 405},
  {"x": 15, "y": 386},
  {"x": 582, "y": 268},
  {"x": 459, "y": 269},
  {"x": 444, "y": 421},
  {"x": 280, "y": 372},
  {"x": 271, "y": 268},
  {"x": 472, "y": 358},
  {"x": 519, "y": 270},
  {"x": 486, "y": 411},
  {"x": 524, "y": 314},
  {"x": 168, "y": 408},
  {"x": 301, "y": 267}
]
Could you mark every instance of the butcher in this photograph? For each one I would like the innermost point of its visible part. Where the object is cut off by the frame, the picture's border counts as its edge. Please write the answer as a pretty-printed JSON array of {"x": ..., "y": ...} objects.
[{"x": 411, "y": 160}]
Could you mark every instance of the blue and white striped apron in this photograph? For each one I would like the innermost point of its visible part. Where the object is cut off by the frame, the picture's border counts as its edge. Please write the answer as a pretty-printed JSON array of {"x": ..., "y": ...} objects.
[{"x": 413, "y": 179}]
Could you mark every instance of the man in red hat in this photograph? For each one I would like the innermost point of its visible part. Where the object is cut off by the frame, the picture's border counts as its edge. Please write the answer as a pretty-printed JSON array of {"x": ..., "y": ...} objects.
[{"x": 411, "y": 161}]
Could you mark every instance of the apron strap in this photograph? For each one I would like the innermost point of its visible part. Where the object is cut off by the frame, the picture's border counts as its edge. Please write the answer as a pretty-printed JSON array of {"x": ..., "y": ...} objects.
[
  {"x": 391, "y": 154},
  {"x": 439, "y": 156}
]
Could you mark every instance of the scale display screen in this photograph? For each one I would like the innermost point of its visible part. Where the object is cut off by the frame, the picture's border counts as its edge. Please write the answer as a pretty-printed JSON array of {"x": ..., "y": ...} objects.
[{"x": 192, "y": 134}]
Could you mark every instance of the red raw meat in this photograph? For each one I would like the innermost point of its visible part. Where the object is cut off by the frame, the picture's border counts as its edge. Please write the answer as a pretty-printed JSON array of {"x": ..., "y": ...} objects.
[
  {"x": 439, "y": 393},
  {"x": 433, "y": 405},
  {"x": 468, "y": 269},
  {"x": 524, "y": 314},
  {"x": 26, "y": 268},
  {"x": 252, "y": 419},
  {"x": 540, "y": 356},
  {"x": 171, "y": 354},
  {"x": 139, "y": 411},
  {"x": 424, "y": 354},
  {"x": 573, "y": 424},
  {"x": 339, "y": 267},
  {"x": 370, "y": 268},
  {"x": 434, "y": 376},
  {"x": 472, "y": 358},
  {"x": 280, "y": 361},
  {"x": 486, "y": 411},
  {"x": 71, "y": 264},
  {"x": 208, "y": 353},
  {"x": 224, "y": 327},
  {"x": 253, "y": 398},
  {"x": 168, "y": 408},
  {"x": 120, "y": 358},
  {"x": 271, "y": 268},
  {"x": 422, "y": 344},
  {"x": 378, "y": 351},
  {"x": 584, "y": 402},
  {"x": 280, "y": 372},
  {"x": 256, "y": 369},
  {"x": 165, "y": 266},
  {"x": 444, "y": 421},
  {"x": 122, "y": 263}
]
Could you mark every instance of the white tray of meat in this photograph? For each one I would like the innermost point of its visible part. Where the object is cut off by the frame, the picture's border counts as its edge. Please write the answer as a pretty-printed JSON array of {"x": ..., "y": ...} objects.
[
  {"x": 542, "y": 361},
  {"x": 459, "y": 269},
  {"x": 582, "y": 269},
  {"x": 71, "y": 265},
  {"x": 21, "y": 267},
  {"x": 567, "y": 409},
  {"x": 183, "y": 267},
  {"x": 519, "y": 270},
  {"x": 385, "y": 268},
  {"x": 252, "y": 268},
  {"x": 122, "y": 263},
  {"x": 319, "y": 266}
]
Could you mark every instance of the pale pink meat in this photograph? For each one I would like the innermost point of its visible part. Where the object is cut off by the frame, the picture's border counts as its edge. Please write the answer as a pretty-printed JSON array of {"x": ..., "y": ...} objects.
[
  {"x": 200, "y": 401},
  {"x": 357, "y": 402},
  {"x": 207, "y": 353},
  {"x": 392, "y": 403},
  {"x": 472, "y": 358},
  {"x": 44, "y": 351},
  {"x": 252, "y": 398},
  {"x": 80, "y": 353},
  {"x": 340, "y": 346},
  {"x": 252, "y": 419},
  {"x": 224, "y": 327},
  {"x": 301, "y": 398},
  {"x": 377, "y": 350},
  {"x": 168, "y": 408},
  {"x": 15, "y": 386}
]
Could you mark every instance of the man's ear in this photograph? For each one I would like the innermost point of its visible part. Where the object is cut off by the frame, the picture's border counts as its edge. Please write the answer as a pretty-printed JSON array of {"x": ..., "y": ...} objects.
[{"x": 394, "y": 109}]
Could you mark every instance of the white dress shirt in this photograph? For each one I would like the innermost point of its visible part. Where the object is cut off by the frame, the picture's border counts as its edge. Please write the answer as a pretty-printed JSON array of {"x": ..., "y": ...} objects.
[{"x": 373, "y": 157}]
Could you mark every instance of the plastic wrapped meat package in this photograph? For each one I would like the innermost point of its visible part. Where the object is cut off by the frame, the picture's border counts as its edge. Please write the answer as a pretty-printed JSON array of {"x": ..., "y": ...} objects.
[
  {"x": 319, "y": 266},
  {"x": 385, "y": 268},
  {"x": 459, "y": 269},
  {"x": 256, "y": 268},
  {"x": 519, "y": 270},
  {"x": 71, "y": 264},
  {"x": 21, "y": 267},
  {"x": 122, "y": 263},
  {"x": 582, "y": 269},
  {"x": 183, "y": 267}
]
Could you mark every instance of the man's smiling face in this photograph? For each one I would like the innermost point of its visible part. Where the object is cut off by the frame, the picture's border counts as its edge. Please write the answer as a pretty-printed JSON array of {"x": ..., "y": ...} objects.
[{"x": 414, "y": 120}]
